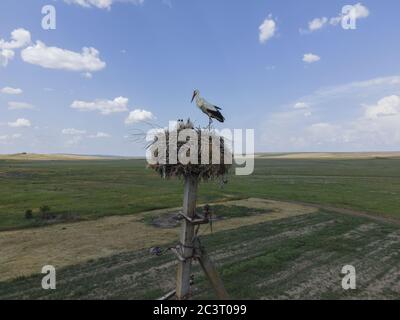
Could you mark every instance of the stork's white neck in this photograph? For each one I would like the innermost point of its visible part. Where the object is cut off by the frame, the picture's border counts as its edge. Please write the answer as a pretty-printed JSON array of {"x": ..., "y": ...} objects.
[{"x": 199, "y": 100}]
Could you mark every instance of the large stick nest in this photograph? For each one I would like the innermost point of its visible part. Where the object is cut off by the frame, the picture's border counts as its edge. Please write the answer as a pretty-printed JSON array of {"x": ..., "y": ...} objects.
[{"x": 207, "y": 143}]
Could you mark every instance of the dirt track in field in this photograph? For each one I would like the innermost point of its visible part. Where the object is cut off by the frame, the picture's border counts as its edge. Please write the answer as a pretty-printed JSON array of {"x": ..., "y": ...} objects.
[
  {"x": 365, "y": 214},
  {"x": 25, "y": 252}
]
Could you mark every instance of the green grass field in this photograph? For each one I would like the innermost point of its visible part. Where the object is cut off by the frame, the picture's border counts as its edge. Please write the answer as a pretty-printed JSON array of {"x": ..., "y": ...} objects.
[{"x": 94, "y": 188}]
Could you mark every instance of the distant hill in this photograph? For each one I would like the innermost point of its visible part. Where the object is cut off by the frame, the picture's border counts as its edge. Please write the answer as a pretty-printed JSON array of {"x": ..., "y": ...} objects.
[
  {"x": 298, "y": 155},
  {"x": 329, "y": 155},
  {"x": 44, "y": 157}
]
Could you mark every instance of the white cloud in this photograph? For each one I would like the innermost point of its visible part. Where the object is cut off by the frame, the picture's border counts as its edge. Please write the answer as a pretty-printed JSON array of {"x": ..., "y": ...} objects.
[
  {"x": 360, "y": 133},
  {"x": 311, "y": 58},
  {"x": 359, "y": 11},
  {"x": 14, "y": 105},
  {"x": 317, "y": 23},
  {"x": 304, "y": 107},
  {"x": 19, "y": 38},
  {"x": 100, "y": 135},
  {"x": 5, "y": 56},
  {"x": 335, "y": 20},
  {"x": 87, "y": 75},
  {"x": 73, "y": 132},
  {"x": 267, "y": 29},
  {"x": 377, "y": 86},
  {"x": 357, "y": 116},
  {"x": 394, "y": 80},
  {"x": 56, "y": 58},
  {"x": 105, "y": 107},
  {"x": 301, "y": 105},
  {"x": 12, "y": 136},
  {"x": 74, "y": 140},
  {"x": 19, "y": 123},
  {"x": 12, "y": 91},
  {"x": 322, "y": 131},
  {"x": 387, "y": 106},
  {"x": 101, "y": 4},
  {"x": 6, "y": 139},
  {"x": 138, "y": 115}
]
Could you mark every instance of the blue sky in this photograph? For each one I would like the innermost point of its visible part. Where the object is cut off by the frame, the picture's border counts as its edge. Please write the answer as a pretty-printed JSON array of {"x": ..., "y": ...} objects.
[{"x": 302, "y": 88}]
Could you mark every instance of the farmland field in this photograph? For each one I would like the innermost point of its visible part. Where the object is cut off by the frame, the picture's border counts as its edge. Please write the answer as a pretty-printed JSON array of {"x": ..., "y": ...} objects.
[
  {"x": 92, "y": 189},
  {"x": 292, "y": 225}
]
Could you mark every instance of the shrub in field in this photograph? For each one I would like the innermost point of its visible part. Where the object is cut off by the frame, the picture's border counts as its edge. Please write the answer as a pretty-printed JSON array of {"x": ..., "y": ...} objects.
[
  {"x": 44, "y": 209},
  {"x": 28, "y": 214},
  {"x": 45, "y": 212}
]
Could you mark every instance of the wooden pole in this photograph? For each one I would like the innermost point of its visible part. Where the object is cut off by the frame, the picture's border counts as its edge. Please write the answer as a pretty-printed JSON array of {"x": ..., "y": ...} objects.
[{"x": 187, "y": 237}]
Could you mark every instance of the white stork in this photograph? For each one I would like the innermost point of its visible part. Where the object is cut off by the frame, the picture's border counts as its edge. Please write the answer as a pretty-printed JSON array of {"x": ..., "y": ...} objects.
[{"x": 212, "y": 111}]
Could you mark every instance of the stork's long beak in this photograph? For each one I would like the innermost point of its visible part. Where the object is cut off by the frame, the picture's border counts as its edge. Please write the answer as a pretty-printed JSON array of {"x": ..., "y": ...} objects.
[{"x": 194, "y": 95}]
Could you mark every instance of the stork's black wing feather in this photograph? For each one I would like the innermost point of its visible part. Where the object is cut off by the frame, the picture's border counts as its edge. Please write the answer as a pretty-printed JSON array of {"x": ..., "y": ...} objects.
[{"x": 216, "y": 115}]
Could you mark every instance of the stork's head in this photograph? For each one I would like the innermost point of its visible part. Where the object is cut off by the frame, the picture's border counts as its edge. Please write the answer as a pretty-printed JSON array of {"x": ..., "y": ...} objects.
[{"x": 195, "y": 94}]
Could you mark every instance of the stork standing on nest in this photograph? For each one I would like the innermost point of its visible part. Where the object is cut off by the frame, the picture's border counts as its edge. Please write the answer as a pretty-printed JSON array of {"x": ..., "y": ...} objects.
[{"x": 212, "y": 111}]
